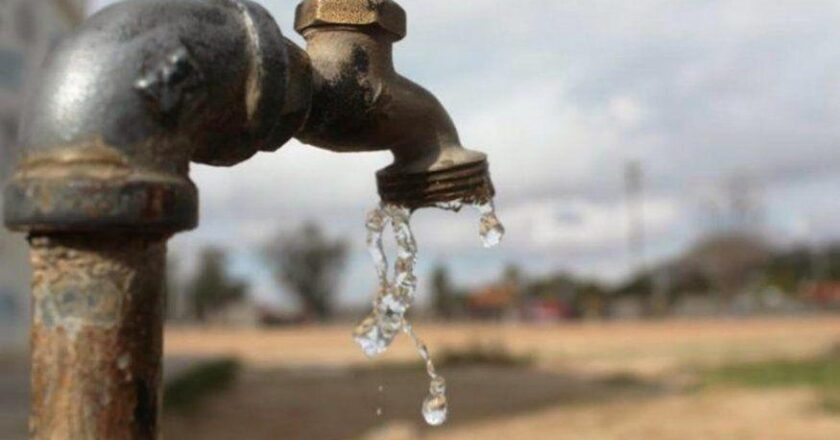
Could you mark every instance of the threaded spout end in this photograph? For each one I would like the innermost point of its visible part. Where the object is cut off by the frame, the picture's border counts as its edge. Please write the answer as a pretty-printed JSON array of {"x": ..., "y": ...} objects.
[{"x": 468, "y": 183}]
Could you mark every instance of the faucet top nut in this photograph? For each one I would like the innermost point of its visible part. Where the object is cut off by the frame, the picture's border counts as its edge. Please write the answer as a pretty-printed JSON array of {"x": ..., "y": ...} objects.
[{"x": 385, "y": 14}]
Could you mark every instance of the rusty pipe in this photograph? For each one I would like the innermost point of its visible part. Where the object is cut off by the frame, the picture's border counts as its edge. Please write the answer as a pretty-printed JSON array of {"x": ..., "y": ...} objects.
[
  {"x": 123, "y": 106},
  {"x": 361, "y": 103},
  {"x": 97, "y": 336}
]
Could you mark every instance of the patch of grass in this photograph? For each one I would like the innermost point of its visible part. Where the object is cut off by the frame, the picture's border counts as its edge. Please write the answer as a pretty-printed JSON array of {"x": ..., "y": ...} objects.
[
  {"x": 623, "y": 380},
  {"x": 830, "y": 402},
  {"x": 492, "y": 355},
  {"x": 495, "y": 355},
  {"x": 823, "y": 372},
  {"x": 186, "y": 390}
]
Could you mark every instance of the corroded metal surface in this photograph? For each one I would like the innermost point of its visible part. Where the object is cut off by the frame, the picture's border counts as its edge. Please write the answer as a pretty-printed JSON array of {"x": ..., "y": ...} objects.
[
  {"x": 98, "y": 304},
  {"x": 298, "y": 94},
  {"x": 91, "y": 187},
  {"x": 469, "y": 184},
  {"x": 384, "y": 14}
]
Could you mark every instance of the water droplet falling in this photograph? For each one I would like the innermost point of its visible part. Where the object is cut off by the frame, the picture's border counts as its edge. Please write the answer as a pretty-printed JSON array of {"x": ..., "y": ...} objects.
[
  {"x": 435, "y": 409},
  {"x": 377, "y": 331},
  {"x": 491, "y": 229}
]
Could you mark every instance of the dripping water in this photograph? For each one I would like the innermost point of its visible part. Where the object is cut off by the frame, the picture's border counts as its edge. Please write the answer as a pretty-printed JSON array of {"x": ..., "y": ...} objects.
[{"x": 377, "y": 331}]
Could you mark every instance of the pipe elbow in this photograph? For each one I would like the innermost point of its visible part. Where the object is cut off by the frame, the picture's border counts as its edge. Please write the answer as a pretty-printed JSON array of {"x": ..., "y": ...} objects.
[{"x": 127, "y": 101}]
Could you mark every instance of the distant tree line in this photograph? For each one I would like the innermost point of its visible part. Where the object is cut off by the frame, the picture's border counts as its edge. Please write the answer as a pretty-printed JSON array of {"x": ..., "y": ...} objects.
[
  {"x": 303, "y": 260},
  {"x": 720, "y": 267},
  {"x": 213, "y": 288}
]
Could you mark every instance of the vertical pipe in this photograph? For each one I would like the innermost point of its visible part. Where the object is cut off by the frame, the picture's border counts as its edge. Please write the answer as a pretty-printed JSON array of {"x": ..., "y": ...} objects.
[
  {"x": 122, "y": 106},
  {"x": 97, "y": 336}
]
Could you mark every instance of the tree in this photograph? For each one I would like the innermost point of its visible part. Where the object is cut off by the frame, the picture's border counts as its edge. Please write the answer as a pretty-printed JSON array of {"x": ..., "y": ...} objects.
[
  {"x": 212, "y": 289},
  {"x": 729, "y": 261},
  {"x": 179, "y": 302},
  {"x": 443, "y": 293},
  {"x": 309, "y": 264},
  {"x": 513, "y": 275}
]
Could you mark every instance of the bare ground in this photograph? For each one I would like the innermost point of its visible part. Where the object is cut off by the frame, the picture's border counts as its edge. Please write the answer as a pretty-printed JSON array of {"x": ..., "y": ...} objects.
[{"x": 593, "y": 381}]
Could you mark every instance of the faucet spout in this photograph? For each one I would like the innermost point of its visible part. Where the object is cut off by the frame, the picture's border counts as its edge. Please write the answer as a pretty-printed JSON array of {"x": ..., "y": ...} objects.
[{"x": 361, "y": 103}]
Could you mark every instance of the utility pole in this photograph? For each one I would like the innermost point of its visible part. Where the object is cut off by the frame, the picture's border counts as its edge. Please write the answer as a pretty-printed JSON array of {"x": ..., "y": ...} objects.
[{"x": 634, "y": 192}]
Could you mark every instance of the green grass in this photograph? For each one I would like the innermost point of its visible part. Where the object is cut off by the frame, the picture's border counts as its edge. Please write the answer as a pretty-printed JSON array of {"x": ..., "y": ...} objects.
[
  {"x": 821, "y": 374},
  {"x": 495, "y": 355},
  {"x": 623, "y": 380},
  {"x": 475, "y": 355},
  {"x": 186, "y": 391},
  {"x": 830, "y": 402}
]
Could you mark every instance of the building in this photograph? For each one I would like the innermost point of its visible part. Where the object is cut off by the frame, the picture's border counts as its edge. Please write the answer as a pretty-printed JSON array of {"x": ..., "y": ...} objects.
[
  {"x": 28, "y": 29},
  {"x": 495, "y": 301},
  {"x": 825, "y": 294}
]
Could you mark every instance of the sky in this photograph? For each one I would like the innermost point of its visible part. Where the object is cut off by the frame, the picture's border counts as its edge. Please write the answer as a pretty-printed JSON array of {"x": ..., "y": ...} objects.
[{"x": 562, "y": 95}]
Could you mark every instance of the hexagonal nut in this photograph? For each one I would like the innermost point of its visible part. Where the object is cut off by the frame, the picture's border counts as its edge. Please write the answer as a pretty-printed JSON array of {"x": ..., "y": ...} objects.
[{"x": 386, "y": 14}]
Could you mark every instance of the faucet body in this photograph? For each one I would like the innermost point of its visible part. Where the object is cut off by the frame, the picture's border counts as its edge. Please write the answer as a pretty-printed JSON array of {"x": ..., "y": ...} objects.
[
  {"x": 124, "y": 105},
  {"x": 360, "y": 103}
]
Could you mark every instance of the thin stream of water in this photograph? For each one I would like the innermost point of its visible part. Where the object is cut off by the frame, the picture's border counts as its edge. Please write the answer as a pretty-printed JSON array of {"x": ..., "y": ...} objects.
[{"x": 377, "y": 331}]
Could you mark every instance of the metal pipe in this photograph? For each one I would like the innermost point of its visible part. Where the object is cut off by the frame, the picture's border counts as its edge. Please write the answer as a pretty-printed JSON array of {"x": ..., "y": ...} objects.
[{"x": 97, "y": 339}]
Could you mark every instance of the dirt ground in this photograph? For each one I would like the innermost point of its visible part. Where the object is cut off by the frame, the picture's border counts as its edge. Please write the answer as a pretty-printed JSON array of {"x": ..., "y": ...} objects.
[{"x": 589, "y": 381}]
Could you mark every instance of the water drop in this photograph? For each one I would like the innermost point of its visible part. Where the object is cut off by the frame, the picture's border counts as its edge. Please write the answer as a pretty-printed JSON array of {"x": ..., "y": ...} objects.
[
  {"x": 435, "y": 409},
  {"x": 491, "y": 229},
  {"x": 370, "y": 337}
]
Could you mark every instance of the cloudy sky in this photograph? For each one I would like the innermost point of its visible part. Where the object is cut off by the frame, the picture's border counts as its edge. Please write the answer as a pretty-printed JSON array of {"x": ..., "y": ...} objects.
[{"x": 562, "y": 94}]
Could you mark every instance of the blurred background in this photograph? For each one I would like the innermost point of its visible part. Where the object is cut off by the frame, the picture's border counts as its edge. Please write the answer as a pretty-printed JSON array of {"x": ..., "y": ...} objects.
[{"x": 668, "y": 173}]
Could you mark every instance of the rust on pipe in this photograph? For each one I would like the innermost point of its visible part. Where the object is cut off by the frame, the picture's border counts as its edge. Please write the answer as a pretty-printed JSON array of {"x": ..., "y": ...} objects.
[{"x": 98, "y": 307}]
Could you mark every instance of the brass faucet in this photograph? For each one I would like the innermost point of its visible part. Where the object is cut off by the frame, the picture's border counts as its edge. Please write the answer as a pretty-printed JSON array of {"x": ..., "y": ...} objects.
[
  {"x": 124, "y": 105},
  {"x": 360, "y": 103}
]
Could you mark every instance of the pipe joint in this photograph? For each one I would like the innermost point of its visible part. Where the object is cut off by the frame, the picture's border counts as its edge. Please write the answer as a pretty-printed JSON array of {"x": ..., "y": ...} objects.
[{"x": 135, "y": 94}]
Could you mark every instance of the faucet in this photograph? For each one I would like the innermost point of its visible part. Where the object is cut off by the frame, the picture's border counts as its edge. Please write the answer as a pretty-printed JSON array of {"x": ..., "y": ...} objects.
[
  {"x": 124, "y": 105},
  {"x": 360, "y": 103}
]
